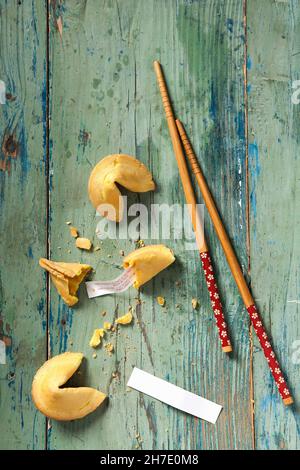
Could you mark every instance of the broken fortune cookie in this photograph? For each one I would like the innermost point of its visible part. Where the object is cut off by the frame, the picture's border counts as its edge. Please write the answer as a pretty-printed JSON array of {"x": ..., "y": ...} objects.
[
  {"x": 147, "y": 262},
  {"x": 63, "y": 404},
  {"x": 124, "y": 170},
  {"x": 66, "y": 277}
]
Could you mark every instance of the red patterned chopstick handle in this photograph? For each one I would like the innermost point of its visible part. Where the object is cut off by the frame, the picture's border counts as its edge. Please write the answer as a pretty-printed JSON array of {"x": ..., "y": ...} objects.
[
  {"x": 269, "y": 353},
  {"x": 215, "y": 301}
]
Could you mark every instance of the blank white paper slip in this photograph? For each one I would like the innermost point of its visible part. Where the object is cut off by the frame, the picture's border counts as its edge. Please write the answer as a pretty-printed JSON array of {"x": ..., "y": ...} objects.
[{"x": 174, "y": 396}]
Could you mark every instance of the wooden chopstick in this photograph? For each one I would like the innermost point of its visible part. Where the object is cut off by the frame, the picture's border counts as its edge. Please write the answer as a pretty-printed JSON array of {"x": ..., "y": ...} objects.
[
  {"x": 191, "y": 200},
  {"x": 235, "y": 268}
]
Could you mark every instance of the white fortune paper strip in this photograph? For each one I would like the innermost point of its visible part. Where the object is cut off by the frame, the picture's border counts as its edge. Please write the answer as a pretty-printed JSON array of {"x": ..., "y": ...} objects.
[
  {"x": 120, "y": 284},
  {"x": 174, "y": 396}
]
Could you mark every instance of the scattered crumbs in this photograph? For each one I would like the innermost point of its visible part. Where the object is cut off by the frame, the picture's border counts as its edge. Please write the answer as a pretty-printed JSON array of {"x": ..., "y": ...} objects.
[
  {"x": 125, "y": 319},
  {"x": 107, "y": 325},
  {"x": 113, "y": 329},
  {"x": 195, "y": 304},
  {"x": 97, "y": 248},
  {"x": 73, "y": 232},
  {"x": 83, "y": 243},
  {"x": 94, "y": 355},
  {"x": 161, "y": 301},
  {"x": 177, "y": 306},
  {"x": 59, "y": 247},
  {"x": 103, "y": 313},
  {"x": 178, "y": 283},
  {"x": 109, "y": 348},
  {"x": 69, "y": 222},
  {"x": 109, "y": 256},
  {"x": 115, "y": 375},
  {"x": 69, "y": 251},
  {"x": 139, "y": 439},
  {"x": 121, "y": 252},
  {"x": 140, "y": 243}
]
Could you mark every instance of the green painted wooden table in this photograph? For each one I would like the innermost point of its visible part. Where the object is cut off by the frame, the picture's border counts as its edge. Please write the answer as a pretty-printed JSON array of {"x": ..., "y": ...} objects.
[{"x": 80, "y": 85}]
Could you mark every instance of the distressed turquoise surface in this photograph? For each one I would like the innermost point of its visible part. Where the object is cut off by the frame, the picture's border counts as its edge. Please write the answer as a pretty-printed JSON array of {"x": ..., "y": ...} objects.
[{"x": 85, "y": 89}]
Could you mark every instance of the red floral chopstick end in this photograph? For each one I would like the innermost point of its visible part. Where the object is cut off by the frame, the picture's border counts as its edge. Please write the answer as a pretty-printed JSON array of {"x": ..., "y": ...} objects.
[
  {"x": 215, "y": 301},
  {"x": 269, "y": 353}
]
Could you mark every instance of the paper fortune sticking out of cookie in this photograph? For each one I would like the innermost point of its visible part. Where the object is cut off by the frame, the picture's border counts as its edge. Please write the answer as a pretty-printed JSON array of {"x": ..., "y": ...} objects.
[{"x": 140, "y": 266}]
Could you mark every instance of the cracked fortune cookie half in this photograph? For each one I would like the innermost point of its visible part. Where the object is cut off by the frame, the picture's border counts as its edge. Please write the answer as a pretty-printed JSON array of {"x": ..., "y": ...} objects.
[
  {"x": 66, "y": 277},
  {"x": 63, "y": 404},
  {"x": 147, "y": 262},
  {"x": 116, "y": 169}
]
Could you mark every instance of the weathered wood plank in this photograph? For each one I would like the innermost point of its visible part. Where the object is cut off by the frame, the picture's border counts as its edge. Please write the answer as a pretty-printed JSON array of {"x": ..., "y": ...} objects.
[
  {"x": 105, "y": 100},
  {"x": 22, "y": 218},
  {"x": 273, "y": 45}
]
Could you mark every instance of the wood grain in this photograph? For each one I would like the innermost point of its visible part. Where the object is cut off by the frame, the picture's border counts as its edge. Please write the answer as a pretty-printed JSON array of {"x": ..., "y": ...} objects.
[
  {"x": 23, "y": 197},
  {"x": 104, "y": 100},
  {"x": 274, "y": 207}
]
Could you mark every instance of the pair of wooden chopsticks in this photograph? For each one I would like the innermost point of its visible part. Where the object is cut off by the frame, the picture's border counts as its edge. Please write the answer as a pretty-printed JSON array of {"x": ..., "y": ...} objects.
[{"x": 179, "y": 140}]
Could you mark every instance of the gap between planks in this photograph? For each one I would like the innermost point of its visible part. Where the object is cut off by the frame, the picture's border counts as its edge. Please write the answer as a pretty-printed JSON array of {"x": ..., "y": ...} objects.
[
  {"x": 251, "y": 384},
  {"x": 47, "y": 152}
]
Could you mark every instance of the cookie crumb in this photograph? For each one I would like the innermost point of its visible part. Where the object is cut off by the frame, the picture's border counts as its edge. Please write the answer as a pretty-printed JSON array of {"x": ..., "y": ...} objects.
[
  {"x": 109, "y": 348},
  {"x": 74, "y": 232},
  {"x": 96, "y": 338},
  {"x": 107, "y": 325},
  {"x": 195, "y": 304},
  {"x": 83, "y": 243},
  {"x": 125, "y": 319},
  {"x": 161, "y": 301}
]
